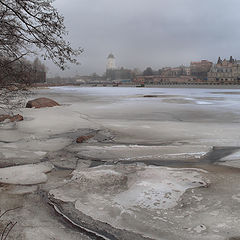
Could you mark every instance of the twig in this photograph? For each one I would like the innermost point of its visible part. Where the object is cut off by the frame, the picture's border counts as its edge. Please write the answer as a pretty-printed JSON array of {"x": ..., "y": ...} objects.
[
  {"x": 10, "y": 229},
  {"x": 11, "y": 209},
  {"x": 12, "y": 226},
  {"x": 4, "y": 230}
]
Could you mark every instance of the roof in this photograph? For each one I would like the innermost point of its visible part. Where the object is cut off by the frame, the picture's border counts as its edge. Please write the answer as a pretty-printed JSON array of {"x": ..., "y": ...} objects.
[{"x": 111, "y": 55}]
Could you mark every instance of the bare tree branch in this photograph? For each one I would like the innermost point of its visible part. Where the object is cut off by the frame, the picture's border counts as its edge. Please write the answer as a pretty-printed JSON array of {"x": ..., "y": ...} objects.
[
  {"x": 8, "y": 210},
  {"x": 30, "y": 27},
  {"x": 41, "y": 25}
]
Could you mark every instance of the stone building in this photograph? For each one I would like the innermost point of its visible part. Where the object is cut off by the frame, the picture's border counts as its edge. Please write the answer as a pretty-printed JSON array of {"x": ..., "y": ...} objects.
[
  {"x": 114, "y": 73},
  {"x": 176, "y": 71},
  {"x": 186, "y": 71},
  {"x": 162, "y": 80},
  {"x": 200, "y": 69},
  {"x": 225, "y": 72},
  {"x": 172, "y": 72},
  {"x": 167, "y": 75}
]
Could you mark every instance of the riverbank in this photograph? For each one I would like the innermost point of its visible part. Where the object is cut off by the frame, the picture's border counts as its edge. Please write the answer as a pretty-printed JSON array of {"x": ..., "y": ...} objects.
[
  {"x": 197, "y": 85},
  {"x": 165, "y": 167}
]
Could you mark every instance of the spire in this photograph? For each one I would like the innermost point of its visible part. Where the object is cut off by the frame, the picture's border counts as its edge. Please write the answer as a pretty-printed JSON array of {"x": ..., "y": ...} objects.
[
  {"x": 111, "y": 55},
  {"x": 219, "y": 60}
]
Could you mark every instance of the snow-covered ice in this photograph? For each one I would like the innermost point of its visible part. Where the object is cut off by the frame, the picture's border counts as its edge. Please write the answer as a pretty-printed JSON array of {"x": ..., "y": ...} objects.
[
  {"x": 25, "y": 174},
  {"x": 107, "y": 193}
]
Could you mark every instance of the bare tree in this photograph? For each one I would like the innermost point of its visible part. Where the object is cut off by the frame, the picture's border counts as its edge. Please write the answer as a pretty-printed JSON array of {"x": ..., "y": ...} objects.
[{"x": 30, "y": 27}]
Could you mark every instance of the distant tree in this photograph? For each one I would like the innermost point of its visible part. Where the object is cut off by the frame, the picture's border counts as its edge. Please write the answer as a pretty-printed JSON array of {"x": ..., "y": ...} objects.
[
  {"x": 38, "y": 66},
  {"x": 136, "y": 71},
  {"x": 148, "y": 71},
  {"x": 125, "y": 73},
  {"x": 38, "y": 71}
]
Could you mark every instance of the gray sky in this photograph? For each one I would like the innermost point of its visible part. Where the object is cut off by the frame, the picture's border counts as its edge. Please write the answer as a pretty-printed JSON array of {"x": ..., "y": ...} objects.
[{"x": 156, "y": 33}]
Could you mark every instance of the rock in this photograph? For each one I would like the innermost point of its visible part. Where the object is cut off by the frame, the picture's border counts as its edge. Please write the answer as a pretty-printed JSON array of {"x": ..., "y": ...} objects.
[
  {"x": 82, "y": 139},
  {"x": 41, "y": 103},
  {"x": 15, "y": 118},
  {"x": 150, "y": 96}
]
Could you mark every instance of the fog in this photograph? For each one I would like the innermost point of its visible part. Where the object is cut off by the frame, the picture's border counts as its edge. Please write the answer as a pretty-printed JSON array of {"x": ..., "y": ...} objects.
[{"x": 154, "y": 33}]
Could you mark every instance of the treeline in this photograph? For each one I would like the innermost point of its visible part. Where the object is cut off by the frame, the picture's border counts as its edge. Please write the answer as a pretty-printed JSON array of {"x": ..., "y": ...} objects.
[
  {"x": 149, "y": 72},
  {"x": 21, "y": 72}
]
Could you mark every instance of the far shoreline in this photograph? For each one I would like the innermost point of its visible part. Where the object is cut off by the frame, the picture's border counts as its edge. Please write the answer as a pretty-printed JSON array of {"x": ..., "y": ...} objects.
[{"x": 204, "y": 86}]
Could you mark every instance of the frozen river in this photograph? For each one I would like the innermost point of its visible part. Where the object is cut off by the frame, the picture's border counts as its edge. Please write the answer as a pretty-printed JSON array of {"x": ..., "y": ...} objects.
[
  {"x": 192, "y": 93},
  {"x": 184, "y": 104}
]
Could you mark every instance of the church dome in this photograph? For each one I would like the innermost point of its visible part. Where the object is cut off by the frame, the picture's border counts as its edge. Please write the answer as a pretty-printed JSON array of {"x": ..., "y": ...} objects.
[{"x": 111, "y": 55}]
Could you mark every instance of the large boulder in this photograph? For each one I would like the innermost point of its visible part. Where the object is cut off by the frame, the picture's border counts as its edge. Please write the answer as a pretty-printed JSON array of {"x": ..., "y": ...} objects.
[
  {"x": 41, "y": 103},
  {"x": 14, "y": 118}
]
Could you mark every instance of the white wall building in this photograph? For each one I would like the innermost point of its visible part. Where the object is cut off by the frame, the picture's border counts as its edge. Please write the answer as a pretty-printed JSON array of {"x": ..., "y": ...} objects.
[{"x": 111, "y": 64}]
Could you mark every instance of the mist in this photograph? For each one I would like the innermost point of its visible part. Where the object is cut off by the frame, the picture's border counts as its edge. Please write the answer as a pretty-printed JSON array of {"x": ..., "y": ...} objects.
[{"x": 142, "y": 33}]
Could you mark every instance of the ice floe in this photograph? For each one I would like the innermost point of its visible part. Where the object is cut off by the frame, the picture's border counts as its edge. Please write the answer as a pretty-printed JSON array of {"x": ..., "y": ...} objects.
[
  {"x": 25, "y": 174},
  {"x": 108, "y": 193}
]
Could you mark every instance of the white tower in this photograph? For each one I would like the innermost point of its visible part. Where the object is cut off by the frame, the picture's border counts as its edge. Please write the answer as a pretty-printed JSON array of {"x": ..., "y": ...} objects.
[{"x": 111, "y": 62}]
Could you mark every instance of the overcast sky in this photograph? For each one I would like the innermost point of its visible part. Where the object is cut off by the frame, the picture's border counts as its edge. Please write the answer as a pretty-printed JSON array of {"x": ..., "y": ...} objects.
[{"x": 156, "y": 33}]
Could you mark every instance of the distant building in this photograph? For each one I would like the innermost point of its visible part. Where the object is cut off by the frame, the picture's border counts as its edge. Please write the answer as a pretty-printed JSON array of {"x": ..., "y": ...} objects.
[
  {"x": 176, "y": 71},
  {"x": 172, "y": 72},
  {"x": 186, "y": 71},
  {"x": 119, "y": 74},
  {"x": 225, "y": 72},
  {"x": 200, "y": 69},
  {"x": 114, "y": 73},
  {"x": 167, "y": 75},
  {"x": 111, "y": 64},
  {"x": 111, "y": 67},
  {"x": 161, "y": 79}
]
